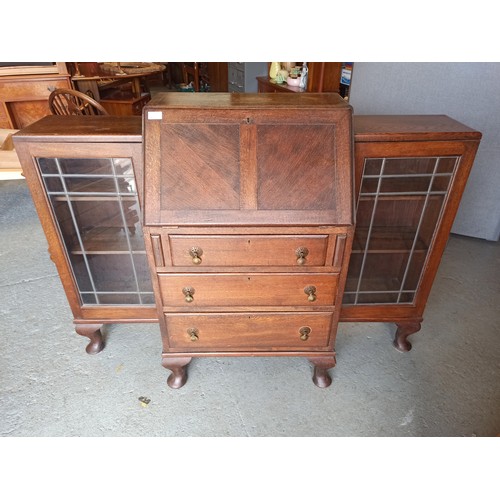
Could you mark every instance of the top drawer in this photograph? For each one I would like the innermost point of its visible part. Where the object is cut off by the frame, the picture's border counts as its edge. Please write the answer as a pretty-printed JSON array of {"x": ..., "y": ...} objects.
[
  {"x": 205, "y": 252},
  {"x": 248, "y": 250}
]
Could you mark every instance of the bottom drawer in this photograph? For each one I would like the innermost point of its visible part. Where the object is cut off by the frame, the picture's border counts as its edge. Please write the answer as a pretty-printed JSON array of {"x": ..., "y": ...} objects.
[{"x": 244, "y": 331}]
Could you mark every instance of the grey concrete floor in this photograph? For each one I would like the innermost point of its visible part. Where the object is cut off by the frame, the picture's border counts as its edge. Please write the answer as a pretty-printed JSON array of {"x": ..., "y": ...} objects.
[{"x": 448, "y": 385}]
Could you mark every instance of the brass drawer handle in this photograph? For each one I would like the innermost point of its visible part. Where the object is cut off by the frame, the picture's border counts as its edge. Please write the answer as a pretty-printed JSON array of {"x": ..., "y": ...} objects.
[
  {"x": 310, "y": 291},
  {"x": 304, "y": 332},
  {"x": 193, "y": 334},
  {"x": 196, "y": 253},
  {"x": 301, "y": 253},
  {"x": 188, "y": 293}
]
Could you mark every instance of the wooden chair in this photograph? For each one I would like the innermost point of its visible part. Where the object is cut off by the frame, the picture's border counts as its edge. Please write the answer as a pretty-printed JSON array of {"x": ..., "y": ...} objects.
[{"x": 72, "y": 102}]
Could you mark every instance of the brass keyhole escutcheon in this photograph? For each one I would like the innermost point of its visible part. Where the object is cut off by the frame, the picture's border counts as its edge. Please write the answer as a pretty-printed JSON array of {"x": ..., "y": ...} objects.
[
  {"x": 301, "y": 253},
  {"x": 305, "y": 331},
  {"x": 188, "y": 293},
  {"x": 196, "y": 253},
  {"x": 193, "y": 334},
  {"x": 310, "y": 291}
]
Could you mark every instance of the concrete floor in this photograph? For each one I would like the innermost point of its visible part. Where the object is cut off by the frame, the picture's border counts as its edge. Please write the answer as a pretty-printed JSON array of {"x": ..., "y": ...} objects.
[{"x": 448, "y": 385}]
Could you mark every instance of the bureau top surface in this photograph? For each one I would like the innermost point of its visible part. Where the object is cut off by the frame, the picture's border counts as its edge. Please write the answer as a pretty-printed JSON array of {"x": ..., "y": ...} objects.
[
  {"x": 381, "y": 128},
  {"x": 227, "y": 100},
  {"x": 78, "y": 128}
]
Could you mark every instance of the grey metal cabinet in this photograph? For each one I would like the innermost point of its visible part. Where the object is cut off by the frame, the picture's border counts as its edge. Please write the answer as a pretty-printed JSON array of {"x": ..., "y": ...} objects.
[{"x": 242, "y": 76}]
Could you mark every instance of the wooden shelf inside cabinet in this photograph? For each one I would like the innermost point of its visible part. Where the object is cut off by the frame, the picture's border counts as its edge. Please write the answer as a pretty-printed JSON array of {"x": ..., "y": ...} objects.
[
  {"x": 110, "y": 241},
  {"x": 387, "y": 240}
]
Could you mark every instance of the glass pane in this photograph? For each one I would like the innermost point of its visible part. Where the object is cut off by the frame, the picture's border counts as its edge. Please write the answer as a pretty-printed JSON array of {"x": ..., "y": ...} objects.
[
  {"x": 86, "y": 166},
  {"x": 441, "y": 183},
  {"x": 377, "y": 298},
  {"x": 414, "y": 271},
  {"x": 373, "y": 166},
  {"x": 64, "y": 217},
  {"x": 383, "y": 272},
  {"x": 430, "y": 219},
  {"x": 369, "y": 185},
  {"x": 99, "y": 221},
  {"x": 81, "y": 273},
  {"x": 143, "y": 274},
  {"x": 406, "y": 166},
  {"x": 354, "y": 272},
  {"x": 90, "y": 184},
  {"x": 88, "y": 298},
  {"x": 53, "y": 184},
  {"x": 447, "y": 164},
  {"x": 112, "y": 272},
  {"x": 406, "y": 298},
  {"x": 97, "y": 213},
  {"x": 405, "y": 184},
  {"x": 118, "y": 298},
  {"x": 349, "y": 298},
  {"x": 148, "y": 298},
  {"x": 123, "y": 166},
  {"x": 48, "y": 165}
]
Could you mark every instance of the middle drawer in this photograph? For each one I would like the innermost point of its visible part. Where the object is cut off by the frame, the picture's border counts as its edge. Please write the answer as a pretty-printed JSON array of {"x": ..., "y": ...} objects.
[{"x": 248, "y": 289}]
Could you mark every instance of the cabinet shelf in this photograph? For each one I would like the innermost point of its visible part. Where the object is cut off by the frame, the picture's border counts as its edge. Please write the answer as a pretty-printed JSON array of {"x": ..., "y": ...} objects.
[
  {"x": 387, "y": 240},
  {"x": 402, "y": 196},
  {"x": 98, "y": 197},
  {"x": 110, "y": 240}
]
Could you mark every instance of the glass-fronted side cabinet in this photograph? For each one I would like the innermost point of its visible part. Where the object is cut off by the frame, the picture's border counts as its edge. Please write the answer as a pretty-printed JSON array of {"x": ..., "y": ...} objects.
[
  {"x": 84, "y": 179},
  {"x": 410, "y": 175}
]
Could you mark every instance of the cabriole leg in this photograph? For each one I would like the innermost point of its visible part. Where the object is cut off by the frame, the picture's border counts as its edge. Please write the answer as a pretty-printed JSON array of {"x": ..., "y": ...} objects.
[
  {"x": 321, "y": 377},
  {"x": 93, "y": 332},
  {"x": 404, "y": 330},
  {"x": 178, "y": 367}
]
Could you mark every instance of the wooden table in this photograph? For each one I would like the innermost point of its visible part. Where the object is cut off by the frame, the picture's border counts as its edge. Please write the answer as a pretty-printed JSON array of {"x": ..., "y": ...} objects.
[{"x": 122, "y": 93}]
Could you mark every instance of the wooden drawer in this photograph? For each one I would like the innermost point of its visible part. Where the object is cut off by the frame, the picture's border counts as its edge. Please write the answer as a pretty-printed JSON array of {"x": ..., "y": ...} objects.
[
  {"x": 30, "y": 89},
  {"x": 249, "y": 289},
  {"x": 248, "y": 250},
  {"x": 265, "y": 332}
]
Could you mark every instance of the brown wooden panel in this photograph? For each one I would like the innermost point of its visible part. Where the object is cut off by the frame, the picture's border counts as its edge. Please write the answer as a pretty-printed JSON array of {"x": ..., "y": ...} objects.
[
  {"x": 4, "y": 117},
  {"x": 231, "y": 290},
  {"x": 250, "y": 250},
  {"x": 397, "y": 128},
  {"x": 17, "y": 89},
  {"x": 24, "y": 113},
  {"x": 238, "y": 331},
  {"x": 200, "y": 168},
  {"x": 74, "y": 128},
  {"x": 294, "y": 161}
]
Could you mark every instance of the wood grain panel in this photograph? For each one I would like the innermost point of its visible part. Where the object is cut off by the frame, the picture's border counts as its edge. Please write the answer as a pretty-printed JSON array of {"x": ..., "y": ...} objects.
[
  {"x": 200, "y": 166},
  {"x": 295, "y": 161}
]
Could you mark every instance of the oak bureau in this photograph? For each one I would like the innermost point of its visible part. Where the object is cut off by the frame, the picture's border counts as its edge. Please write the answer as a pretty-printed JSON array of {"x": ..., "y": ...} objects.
[{"x": 248, "y": 224}]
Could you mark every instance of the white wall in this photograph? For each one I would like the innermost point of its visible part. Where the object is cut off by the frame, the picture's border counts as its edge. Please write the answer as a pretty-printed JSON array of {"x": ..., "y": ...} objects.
[{"x": 467, "y": 92}]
